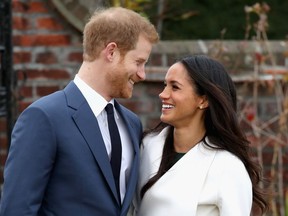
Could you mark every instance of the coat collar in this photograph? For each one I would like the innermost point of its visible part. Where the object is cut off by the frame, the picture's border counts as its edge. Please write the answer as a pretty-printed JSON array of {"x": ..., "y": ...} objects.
[
  {"x": 87, "y": 124},
  {"x": 181, "y": 184},
  {"x": 89, "y": 128}
]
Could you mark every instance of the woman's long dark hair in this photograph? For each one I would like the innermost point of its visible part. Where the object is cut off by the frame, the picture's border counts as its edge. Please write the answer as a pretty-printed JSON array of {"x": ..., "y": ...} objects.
[{"x": 222, "y": 126}]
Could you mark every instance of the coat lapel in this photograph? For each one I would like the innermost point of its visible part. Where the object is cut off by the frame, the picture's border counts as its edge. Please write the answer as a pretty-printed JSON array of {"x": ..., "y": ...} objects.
[
  {"x": 135, "y": 140},
  {"x": 180, "y": 185},
  {"x": 191, "y": 171},
  {"x": 89, "y": 128}
]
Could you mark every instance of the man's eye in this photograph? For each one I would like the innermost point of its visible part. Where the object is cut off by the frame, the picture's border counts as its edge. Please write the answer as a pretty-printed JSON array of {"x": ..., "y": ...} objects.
[
  {"x": 139, "y": 62},
  {"x": 175, "y": 87}
]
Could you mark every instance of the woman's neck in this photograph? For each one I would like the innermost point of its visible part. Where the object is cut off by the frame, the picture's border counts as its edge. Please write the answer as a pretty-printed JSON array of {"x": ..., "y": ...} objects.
[{"x": 185, "y": 138}]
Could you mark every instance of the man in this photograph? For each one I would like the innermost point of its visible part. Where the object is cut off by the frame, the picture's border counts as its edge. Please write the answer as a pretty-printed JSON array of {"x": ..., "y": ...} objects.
[{"x": 59, "y": 159}]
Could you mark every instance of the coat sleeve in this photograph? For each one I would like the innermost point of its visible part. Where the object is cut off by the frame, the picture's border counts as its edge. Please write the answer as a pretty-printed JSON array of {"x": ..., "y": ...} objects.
[
  {"x": 29, "y": 163},
  {"x": 235, "y": 190}
]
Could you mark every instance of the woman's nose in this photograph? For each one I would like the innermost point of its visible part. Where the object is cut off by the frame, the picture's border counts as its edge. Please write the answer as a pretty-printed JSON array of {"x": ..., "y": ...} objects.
[{"x": 163, "y": 94}]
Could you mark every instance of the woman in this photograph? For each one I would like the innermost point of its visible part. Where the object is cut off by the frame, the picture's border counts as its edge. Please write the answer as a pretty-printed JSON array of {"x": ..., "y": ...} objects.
[{"x": 198, "y": 163}]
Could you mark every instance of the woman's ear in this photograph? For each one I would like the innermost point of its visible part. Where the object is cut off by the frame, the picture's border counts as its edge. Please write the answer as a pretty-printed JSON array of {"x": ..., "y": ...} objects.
[{"x": 203, "y": 103}]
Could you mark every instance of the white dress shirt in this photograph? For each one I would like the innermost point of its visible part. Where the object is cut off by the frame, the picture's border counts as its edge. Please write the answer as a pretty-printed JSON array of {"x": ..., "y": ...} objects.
[{"x": 97, "y": 104}]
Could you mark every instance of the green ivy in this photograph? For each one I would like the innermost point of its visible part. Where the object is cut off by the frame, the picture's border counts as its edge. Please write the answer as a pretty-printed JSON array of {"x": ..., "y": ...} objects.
[{"x": 205, "y": 19}]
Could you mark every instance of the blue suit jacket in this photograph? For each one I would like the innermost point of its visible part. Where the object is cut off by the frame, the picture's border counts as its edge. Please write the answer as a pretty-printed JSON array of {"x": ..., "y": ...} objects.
[{"x": 58, "y": 164}]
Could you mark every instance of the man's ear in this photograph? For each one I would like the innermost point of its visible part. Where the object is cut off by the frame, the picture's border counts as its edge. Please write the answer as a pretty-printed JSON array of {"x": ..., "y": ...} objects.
[{"x": 110, "y": 50}]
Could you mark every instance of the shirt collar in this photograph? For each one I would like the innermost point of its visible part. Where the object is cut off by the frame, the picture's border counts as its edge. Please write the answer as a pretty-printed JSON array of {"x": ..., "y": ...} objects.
[{"x": 94, "y": 99}]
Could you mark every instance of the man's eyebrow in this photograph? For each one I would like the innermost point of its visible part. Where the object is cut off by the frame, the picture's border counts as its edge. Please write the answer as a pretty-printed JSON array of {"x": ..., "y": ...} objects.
[{"x": 142, "y": 60}]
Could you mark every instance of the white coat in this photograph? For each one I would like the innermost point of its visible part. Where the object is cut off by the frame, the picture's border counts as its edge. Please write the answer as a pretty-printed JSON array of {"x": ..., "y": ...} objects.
[{"x": 204, "y": 182}]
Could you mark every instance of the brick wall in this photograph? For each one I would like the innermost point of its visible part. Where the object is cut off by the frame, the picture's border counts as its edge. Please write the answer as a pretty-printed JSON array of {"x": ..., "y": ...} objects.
[{"x": 48, "y": 52}]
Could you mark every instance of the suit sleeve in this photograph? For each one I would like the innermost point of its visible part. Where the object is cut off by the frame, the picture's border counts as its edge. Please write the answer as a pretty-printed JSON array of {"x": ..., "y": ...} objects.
[
  {"x": 29, "y": 163},
  {"x": 235, "y": 193}
]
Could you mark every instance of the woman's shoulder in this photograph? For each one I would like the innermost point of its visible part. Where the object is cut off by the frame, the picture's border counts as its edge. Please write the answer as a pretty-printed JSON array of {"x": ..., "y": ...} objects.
[
  {"x": 224, "y": 158},
  {"x": 156, "y": 135},
  {"x": 228, "y": 162},
  {"x": 155, "y": 138}
]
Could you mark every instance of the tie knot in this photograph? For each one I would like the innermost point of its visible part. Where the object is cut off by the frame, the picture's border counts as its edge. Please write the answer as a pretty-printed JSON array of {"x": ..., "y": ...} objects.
[{"x": 109, "y": 108}]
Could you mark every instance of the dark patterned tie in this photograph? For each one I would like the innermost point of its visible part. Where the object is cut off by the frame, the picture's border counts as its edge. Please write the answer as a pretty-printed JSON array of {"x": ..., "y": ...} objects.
[{"x": 116, "y": 152}]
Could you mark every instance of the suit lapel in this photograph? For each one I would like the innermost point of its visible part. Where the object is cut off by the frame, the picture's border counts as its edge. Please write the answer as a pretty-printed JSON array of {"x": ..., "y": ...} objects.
[
  {"x": 89, "y": 128},
  {"x": 133, "y": 132}
]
